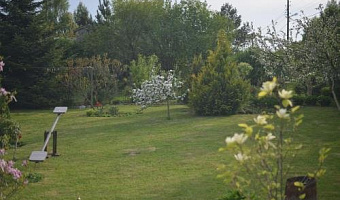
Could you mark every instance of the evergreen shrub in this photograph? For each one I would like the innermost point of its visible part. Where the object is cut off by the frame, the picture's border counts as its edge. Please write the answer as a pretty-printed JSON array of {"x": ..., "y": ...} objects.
[{"x": 219, "y": 89}]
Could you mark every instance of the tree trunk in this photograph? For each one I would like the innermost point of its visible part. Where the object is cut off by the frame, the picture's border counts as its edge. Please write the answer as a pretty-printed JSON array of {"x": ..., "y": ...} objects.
[
  {"x": 334, "y": 95},
  {"x": 309, "y": 87},
  {"x": 168, "y": 105}
]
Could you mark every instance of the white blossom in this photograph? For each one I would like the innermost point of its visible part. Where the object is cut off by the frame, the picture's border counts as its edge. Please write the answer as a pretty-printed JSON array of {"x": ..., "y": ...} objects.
[
  {"x": 241, "y": 157},
  {"x": 282, "y": 113},
  {"x": 157, "y": 89},
  {"x": 238, "y": 138},
  {"x": 229, "y": 140},
  {"x": 270, "y": 136},
  {"x": 260, "y": 120},
  {"x": 267, "y": 141},
  {"x": 268, "y": 86},
  {"x": 286, "y": 94}
]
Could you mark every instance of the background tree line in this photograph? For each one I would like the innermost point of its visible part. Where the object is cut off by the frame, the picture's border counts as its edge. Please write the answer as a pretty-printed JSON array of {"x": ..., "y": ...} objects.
[{"x": 55, "y": 57}]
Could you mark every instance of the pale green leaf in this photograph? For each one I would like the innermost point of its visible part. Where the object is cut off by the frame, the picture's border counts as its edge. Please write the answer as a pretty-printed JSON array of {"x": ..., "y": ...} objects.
[
  {"x": 269, "y": 127},
  {"x": 298, "y": 147},
  {"x": 295, "y": 109},
  {"x": 298, "y": 184},
  {"x": 243, "y": 125},
  {"x": 302, "y": 196},
  {"x": 300, "y": 117},
  {"x": 310, "y": 175},
  {"x": 285, "y": 103},
  {"x": 249, "y": 131},
  {"x": 262, "y": 94},
  {"x": 298, "y": 122}
]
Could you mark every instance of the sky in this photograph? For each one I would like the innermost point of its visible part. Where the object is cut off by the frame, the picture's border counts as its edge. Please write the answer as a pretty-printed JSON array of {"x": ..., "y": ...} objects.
[{"x": 259, "y": 12}]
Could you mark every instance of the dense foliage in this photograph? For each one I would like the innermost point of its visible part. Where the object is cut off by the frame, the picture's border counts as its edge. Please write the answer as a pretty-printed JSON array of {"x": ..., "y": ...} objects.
[
  {"x": 219, "y": 89},
  {"x": 33, "y": 45},
  {"x": 92, "y": 79},
  {"x": 9, "y": 129},
  {"x": 320, "y": 47},
  {"x": 11, "y": 178},
  {"x": 264, "y": 149},
  {"x": 39, "y": 40},
  {"x": 312, "y": 62}
]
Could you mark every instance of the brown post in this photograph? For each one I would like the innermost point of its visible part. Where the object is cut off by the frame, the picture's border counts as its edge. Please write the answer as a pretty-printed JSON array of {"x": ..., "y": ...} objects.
[
  {"x": 55, "y": 136},
  {"x": 292, "y": 192}
]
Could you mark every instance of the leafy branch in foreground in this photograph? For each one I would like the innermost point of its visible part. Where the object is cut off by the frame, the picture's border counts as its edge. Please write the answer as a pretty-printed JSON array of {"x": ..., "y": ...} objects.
[{"x": 263, "y": 149}]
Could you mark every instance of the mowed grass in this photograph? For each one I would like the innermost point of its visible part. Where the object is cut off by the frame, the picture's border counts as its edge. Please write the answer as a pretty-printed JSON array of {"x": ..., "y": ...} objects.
[{"x": 146, "y": 156}]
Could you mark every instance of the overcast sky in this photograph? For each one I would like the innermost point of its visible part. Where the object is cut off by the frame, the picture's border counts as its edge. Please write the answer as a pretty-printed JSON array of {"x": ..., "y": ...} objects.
[{"x": 259, "y": 12}]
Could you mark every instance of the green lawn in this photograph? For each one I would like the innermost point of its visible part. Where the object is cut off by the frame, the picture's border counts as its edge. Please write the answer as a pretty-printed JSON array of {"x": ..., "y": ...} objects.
[{"x": 146, "y": 156}]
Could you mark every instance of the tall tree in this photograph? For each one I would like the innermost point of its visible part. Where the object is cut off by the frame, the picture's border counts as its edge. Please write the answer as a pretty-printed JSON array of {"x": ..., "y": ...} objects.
[
  {"x": 316, "y": 57},
  {"x": 32, "y": 52},
  {"x": 230, "y": 12},
  {"x": 175, "y": 32},
  {"x": 82, "y": 15},
  {"x": 21, "y": 39},
  {"x": 187, "y": 29},
  {"x": 134, "y": 23},
  {"x": 242, "y": 34},
  {"x": 58, "y": 20},
  {"x": 104, "y": 12},
  {"x": 320, "y": 45},
  {"x": 273, "y": 55}
]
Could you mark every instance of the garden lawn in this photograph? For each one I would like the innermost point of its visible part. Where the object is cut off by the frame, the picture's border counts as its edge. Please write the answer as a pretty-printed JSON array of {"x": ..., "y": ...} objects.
[{"x": 146, "y": 156}]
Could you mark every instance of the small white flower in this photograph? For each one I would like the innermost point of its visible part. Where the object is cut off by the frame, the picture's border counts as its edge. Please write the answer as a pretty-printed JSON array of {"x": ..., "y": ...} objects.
[
  {"x": 267, "y": 141},
  {"x": 240, "y": 138},
  {"x": 260, "y": 120},
  {"x": 282, "y": 113},
  {"x": 286, "y": 94},
  {"x": 268, "y": 86},
  {"x": 241, "y": 157},
  {"x": 229, "y": 140},
  {"x": 270, "y": 136}
]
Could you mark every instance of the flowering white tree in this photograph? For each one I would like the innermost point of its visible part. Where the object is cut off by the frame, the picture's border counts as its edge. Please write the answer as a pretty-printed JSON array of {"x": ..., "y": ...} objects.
[
  {"x": 313, "y": 59},
  {"x": 158, "y": 89},
  {"x": 320, "y": 47}
]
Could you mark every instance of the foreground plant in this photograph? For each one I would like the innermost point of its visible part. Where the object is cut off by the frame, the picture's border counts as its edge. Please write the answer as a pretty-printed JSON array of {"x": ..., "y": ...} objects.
[
  {"x": 263, "y": 149},
  {"x": 11, "y": 178},
  {"x": 9, "y": 130}
]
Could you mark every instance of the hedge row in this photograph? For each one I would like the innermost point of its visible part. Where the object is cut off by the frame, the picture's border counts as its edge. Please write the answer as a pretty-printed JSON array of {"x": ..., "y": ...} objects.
[{"x": 313, "y": 100}]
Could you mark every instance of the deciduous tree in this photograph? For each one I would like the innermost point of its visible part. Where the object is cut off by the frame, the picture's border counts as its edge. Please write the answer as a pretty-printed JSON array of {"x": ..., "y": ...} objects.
[
  {"x": 320, "y": 45},
  {"x": 158, "y": 89}
]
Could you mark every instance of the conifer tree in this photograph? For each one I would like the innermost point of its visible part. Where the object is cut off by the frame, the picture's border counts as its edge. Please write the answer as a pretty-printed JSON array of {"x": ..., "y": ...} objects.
[{"x": 219, "y": 89}]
